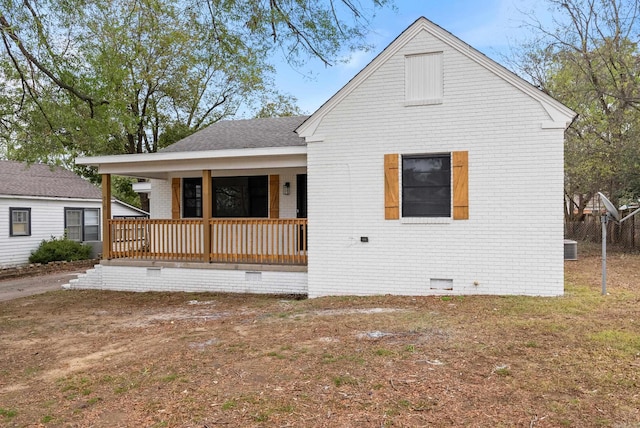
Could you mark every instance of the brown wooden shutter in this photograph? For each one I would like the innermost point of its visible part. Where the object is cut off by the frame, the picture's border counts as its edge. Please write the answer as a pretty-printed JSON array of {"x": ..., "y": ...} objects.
[
  {"x": 391, "y": 187},
  {"x": 460, "y": 185},
  {"x": 274, "y": 196},
  {"x": 175, "y": 198}
]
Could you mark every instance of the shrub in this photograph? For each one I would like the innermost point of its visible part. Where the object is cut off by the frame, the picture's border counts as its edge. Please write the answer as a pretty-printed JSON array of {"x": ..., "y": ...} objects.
[{"x": 60, "y": 249}]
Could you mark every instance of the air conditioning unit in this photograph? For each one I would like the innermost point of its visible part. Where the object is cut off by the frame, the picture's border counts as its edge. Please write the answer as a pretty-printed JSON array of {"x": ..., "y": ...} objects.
[{"x": 570, "y": 250}]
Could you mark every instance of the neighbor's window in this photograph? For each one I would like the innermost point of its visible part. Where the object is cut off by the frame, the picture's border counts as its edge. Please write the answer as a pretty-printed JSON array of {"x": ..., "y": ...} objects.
[
  {"x": 426, "y": 186},
  {"x": 82, "y": 224},
  {"x": 244, "y": 196},
  {"x": 423, "y": 79},
  {"x": 20, "y": 221}
]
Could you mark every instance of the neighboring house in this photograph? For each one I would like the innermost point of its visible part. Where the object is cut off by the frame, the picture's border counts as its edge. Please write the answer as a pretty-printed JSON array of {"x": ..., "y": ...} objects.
[
  {"x": 419, "y": 176},
  {"x": 38, "y": 202}
]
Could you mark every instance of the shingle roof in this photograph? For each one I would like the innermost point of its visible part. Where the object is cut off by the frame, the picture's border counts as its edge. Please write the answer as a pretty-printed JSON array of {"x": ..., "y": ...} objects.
[
  {"x": 243, "y": 134},
  {"x": 20, "y": 179}
]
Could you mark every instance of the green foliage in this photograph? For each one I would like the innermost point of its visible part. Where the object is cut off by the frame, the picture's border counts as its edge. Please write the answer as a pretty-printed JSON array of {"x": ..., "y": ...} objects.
[
  {"x": 588, "y": 61},
  {"x": 7, "y": 413},
  {"x": 60, "y": 249},
  {"x": 281, "y": 106},
  {"x": 342, "y": 380},
  {"x": 121, "y": 188},
  {"x": 133, "y": 76},
  {"x": 628, "y": 342}
]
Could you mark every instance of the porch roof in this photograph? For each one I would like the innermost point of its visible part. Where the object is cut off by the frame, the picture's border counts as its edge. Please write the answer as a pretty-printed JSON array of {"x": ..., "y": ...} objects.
[
  {"x": 265, "y": 143},
  {"x": 163, "y": 164},
  {"x": 243, "y": 134}
]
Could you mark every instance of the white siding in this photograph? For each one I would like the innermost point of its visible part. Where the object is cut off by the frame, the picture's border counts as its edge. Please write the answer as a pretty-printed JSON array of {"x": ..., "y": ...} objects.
[
  {"x": 47, "y": 220},
  {"x": 504, "y": 248},
  {"x": 120, "y": 210}
]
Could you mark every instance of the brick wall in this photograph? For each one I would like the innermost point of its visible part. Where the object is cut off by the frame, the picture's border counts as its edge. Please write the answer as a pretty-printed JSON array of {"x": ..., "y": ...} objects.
[
  {"x": 139, "y": 278},
  {"x": 160, "y": 199},
  {"x": 515, "y": 176}
]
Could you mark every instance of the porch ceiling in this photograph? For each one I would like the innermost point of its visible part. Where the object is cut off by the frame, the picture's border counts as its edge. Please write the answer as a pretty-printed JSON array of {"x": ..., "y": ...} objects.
[{"x": 162, "y": 165}]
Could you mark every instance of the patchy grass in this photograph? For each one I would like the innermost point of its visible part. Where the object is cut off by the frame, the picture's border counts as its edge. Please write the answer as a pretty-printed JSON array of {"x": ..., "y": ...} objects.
[{"x": 94, "y": 358}]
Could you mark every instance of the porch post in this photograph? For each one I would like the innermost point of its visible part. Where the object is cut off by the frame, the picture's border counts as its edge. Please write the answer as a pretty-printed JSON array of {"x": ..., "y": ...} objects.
[
  {"x": 106, "y": 216},
  {"x": 207, "y": 199}
]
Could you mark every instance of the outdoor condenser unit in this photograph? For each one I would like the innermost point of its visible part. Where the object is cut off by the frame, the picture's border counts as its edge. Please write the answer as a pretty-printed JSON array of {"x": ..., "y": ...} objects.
[{"x": 570, "y": 250}]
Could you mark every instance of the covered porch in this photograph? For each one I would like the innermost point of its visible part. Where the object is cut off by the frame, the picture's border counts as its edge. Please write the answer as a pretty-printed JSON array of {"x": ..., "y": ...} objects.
[{"x": 190, "y": 223}]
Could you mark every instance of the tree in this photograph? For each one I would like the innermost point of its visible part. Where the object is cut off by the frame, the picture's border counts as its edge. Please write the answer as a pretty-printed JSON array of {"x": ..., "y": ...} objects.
[
  {"x": 96, "y": 77},
  {"x": 588, "y": 59},
  {"x": 147, "y": 65},
  {"x": 135, "y": 67},
  {"x": 280, "y": 106}
]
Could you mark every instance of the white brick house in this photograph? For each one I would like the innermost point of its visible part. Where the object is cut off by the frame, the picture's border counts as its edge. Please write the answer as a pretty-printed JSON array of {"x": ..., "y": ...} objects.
[{"x": 419, "y": 174}]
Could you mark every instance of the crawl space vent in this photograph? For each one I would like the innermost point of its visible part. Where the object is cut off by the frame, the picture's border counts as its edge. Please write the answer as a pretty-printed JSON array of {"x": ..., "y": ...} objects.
[
  {"x": 441, "y": 284},
  {"x": 253, "y": 276}
]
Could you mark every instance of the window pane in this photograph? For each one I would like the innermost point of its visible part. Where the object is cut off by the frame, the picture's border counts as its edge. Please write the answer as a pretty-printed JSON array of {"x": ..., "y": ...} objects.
[
  {"x": 241, "y": 196},
  {"x": 91, "y": 233},
  {"x": 192, "y": 197},
  {"x": 91, "y": 224},
  {"x": 20, "y": 221},
  {"x": 231, "y": 197},
  {"x": 91, "y": 217},
  {"x": 74, "y": 233},
  {"x": 20, "y": 229},
  {"x": 259, "y": 194},
  {"x": 426, "y": 171},
  {"x": 74, "y": 224},
  {"x": 416, "y": 205},
  {"x": 426, "y": 186},
  {"x": 74, "y": 217}
]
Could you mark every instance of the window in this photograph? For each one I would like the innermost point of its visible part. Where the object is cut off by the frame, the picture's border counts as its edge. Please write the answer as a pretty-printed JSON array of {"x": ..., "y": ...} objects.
[
  {"x": 91, "y": 225},
  {"x": 192, "y": 197},
  {"x": 426, "y": 186},
  {"x": 241, "y": 196},
  {"x": 432, "y": 186},
  {"x": 244, "y": 196},
  {"x": 423, "y": 79},
  {"x": 20, "y": 221},
  {"x": 82, "y": 224}
]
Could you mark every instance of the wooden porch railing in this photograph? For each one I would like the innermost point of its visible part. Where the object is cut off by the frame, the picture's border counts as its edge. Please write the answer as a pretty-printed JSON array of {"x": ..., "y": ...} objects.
[{"x": 237, "y": 240}]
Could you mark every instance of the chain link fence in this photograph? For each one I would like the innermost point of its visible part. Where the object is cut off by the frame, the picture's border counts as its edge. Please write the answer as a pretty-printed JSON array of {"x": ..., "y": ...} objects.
[{"x": 625, "y": 236}]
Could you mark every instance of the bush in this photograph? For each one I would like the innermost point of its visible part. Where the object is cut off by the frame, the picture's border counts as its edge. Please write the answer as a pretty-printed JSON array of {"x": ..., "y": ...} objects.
[{"x": 60, "y": 249}]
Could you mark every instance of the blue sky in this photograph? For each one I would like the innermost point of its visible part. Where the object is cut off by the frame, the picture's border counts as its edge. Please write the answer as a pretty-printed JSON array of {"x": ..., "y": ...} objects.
[{"x": 491, "y": 26}]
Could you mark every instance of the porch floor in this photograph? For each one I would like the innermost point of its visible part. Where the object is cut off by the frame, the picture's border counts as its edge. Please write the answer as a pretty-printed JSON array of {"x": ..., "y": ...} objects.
[{"x": 201, "y": 265}]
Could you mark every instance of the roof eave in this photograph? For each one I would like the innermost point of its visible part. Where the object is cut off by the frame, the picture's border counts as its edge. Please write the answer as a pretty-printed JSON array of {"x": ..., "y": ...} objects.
[{"x": 161, "y": 165}]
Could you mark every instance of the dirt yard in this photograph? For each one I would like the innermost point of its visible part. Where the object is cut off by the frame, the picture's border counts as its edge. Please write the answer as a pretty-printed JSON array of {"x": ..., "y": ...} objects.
[{"x": 104, "y": 359}]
